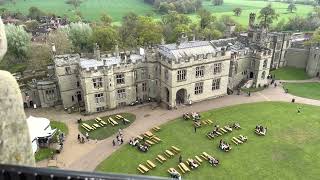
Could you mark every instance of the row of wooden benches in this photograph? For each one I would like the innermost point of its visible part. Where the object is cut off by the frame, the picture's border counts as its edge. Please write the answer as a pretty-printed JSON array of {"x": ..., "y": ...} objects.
[
  {"x": 149, "y": 165},
  {"x": 203, "y": 122},
  {"x": 221, "y": 131},
  {"x": 239, "y": 140},
  {"x": 101, "y": 123},
  {"x": 183, "y": 166}
]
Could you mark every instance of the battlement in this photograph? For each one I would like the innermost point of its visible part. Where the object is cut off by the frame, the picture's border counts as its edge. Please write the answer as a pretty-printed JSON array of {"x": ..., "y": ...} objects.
[{"x": 66, "y": 59}]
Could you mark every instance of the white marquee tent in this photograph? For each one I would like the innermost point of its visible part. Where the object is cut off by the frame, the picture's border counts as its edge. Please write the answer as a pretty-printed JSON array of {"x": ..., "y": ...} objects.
[{"x": 39, "y": 128}]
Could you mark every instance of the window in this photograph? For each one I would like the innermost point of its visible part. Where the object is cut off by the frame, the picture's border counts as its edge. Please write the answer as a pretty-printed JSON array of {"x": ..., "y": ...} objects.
[
  {"x": 198, "y": 88},
  {"x": 166, "y": 74},
  {"x": 216, "y": 84},
  {"x": 217, "y": 68},
  {"x": 100, "y": 109},
  {"x": 120, "y": 78},
  {"x": 263, "y": 75},
  {"x": 265, "y": 63},
  {"x": 121, "y": 93},
  {"x": 182, "y": 75},
  {"x": 199, "y": 71},
  {"x": 144, "y": 87},
  {"x": 143, "y": 74},
  {"x": 99, "y": 98},
  {"x": 50, "y": 94},
  {"x": 68, "y": 70},
  {"x": 97, "y": 82}
]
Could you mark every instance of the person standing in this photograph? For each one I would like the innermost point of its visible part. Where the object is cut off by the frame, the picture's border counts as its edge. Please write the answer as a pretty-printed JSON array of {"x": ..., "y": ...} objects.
[
  {"x": 195, "y": 129},
  {"x": 79, "y": 138},
  {"x": 113, "y": 143},
  {"x": 87, "y": 136},
  {"x": 180, "y": 159}
]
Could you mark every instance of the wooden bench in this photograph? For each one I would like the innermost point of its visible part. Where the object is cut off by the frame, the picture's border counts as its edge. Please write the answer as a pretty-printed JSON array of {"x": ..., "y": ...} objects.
[
  {"x": 169, "y": 153},
  {"x": 161, "y": 158},
  {"x": 223, "y": 130},
  {"x": 175, "y": 149},
  {"x": 119, "y": 117},
  {"x": 204, "y": 122},
  {"x": 151, "y": 164},
  {"x": 198, "y": 159},
  {"x": 145, "y": 169},
  {"x": 181, "y": 169},
  {"x": 96, "y": 125},
  {"x": 220, "y": 134},
  {"x": 237, "y": 140},
  {"x": 211, "y": 122},
  {"x": 149, "y": 142},
  {"x": 184, "y": 167},
  {"x": 156, "y": 128},
  {"x": 228, "y": 128},
  {"x": 234, "y": 141},
  {"x": 140, "y": 170},
  {"x": 85, "y": 128}
]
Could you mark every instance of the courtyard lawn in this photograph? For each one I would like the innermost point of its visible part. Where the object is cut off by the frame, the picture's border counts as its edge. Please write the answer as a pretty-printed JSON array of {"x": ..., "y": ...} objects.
[
  {"x": 109, "y": 130},
  {"x": 92, "y": 9},
  {"x": 290, "y": 73},
  {"x": 43, "y": 153},
  {"x": 289, "y": 151},
  {"x": 309, "y": 90}
]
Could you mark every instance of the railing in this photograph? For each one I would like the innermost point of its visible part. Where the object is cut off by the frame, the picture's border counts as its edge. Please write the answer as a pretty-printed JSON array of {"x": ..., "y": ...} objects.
[{"x": 13, "y": 172}]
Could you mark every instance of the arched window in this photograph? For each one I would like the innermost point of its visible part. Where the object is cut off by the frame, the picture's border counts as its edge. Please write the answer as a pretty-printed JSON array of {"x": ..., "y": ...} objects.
[{"x": 265, "y": 63}]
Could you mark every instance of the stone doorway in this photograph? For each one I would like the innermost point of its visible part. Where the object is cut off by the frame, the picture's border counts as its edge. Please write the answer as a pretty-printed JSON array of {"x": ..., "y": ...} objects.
[{"x": 181, "y": 96}]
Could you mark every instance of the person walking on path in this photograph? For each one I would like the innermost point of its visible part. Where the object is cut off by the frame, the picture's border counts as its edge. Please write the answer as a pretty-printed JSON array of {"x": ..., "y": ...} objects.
[
  {"x": 113, "y": 143},
  {"x": 79, "y": 138},
  {"x": 87, "y": 136}
]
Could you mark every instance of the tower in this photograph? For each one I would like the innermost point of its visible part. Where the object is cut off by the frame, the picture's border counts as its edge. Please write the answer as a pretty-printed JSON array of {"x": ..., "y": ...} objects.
[{"x": 252, "y": 18}]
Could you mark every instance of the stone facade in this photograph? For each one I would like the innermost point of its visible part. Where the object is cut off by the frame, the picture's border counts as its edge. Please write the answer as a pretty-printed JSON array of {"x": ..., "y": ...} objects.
[{"x": 173, "y": 74}]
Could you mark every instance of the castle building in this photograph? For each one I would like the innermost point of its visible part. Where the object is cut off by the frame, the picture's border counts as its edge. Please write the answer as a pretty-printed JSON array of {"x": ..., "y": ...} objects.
[{"x": 172, "y": 74}]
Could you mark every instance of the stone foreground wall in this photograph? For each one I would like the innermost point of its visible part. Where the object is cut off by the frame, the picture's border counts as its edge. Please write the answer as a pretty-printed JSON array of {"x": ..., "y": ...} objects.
[{"x": 15, "y": 144}]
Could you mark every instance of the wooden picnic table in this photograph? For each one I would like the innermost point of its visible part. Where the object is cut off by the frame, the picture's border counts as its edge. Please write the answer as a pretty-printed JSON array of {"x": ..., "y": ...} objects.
[
  {"x": 199, "y": 159},
  {"x": 87, "y": 126},
  {"x": 156, "y": 138},
  {"x": 185, "y": 168},
  {"x": 99, "y": 119},
  {"x": 97, "y": 125},
  {"x": 175, "y": 148},
  {"x": 169, "y": 152},
  {"x": 151, "y": 163},
  {"x": 228, "y": 128},
  {"x": 238, "y": 141},
  {"x": 150, "y": 142},
  {"x": 206, "y": 154},
  {"x": 148, "y": 133},
  {"x": 161, "y": 158},
  {"x": 143, "y": 168}
]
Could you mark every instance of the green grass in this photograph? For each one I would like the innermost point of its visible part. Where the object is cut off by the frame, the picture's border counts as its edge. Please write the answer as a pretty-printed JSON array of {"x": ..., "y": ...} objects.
[
  {"x": 289, "y": 151},
  {"x": 290, "y": 73},
  {"x": 43, "y": 153},
  {"x": 60, "y": 125},
  {"x": 309, "y": 90},
  {"x": 109, "y": 130},
  {"x": 92, "y": 9}
]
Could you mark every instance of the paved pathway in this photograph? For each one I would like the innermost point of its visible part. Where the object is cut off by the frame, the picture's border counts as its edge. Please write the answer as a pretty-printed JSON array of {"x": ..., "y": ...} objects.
[{"x": 87, "y": 156}]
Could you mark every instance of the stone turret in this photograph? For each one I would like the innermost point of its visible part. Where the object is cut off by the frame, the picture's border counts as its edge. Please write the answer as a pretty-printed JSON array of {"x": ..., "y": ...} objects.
[
  {"x": 96, "y": 52},
  {"x": 252, "y": 19}
]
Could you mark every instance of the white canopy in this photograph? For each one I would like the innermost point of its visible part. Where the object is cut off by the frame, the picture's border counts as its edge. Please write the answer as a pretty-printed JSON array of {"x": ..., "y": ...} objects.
[{"x": 39, "y": 127}]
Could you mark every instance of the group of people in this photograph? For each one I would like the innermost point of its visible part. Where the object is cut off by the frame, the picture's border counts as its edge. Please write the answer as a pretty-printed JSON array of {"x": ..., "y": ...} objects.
[
  {"x": 194, "y": 115},
  {"x": 174, "y": 174},
  {"x": 215, "y": 131},
  {"x": 81, "y": 139},
  {"x": 261, "y": 130},
  {"x": 119, "y": 138},
  {"x": 213, "y": 161},
  {"x": 192, "y": 164},
  {"x": 143, "y": 147},
  {"x": 224, "y": 146}
]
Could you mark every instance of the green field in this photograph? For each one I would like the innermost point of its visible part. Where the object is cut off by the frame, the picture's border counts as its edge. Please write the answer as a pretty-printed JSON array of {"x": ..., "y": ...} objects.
[
  {"x": 108, "y": 130},
  {"x": 289, "y": 151},
  {"x": 92, "y": 9},
  {"x": 290, "y": 73},
  {"x": 307, "y": 90}
]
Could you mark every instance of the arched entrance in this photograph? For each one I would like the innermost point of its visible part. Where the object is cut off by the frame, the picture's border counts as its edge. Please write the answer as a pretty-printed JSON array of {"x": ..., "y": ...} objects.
[
  {"x": 181, "y": 96},
  {"x": 251, "y": 75}
]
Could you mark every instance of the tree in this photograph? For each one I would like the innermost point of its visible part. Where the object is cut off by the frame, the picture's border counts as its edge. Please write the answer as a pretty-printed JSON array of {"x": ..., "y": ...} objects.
[
  {"x": 35, "y": 13},
  {"x": 315, "y": 38},
  {"x": 18, "y": 42},
  {"x": 292, "y": 7},
  {"x": 74, "y": 3},
  {"x": 105, "y": 19},
  {"x": 170, "y": 22},
  {"x": 149, "y": 32},
  {"x": 39, "y": 55},
  {"x": 128, "y": 31},
  {"x": 80, "y": 34},
  {"x": 205, "y": 18},
  {"x": 267, "y": 16},
  {"x": 105, "y": 36},
  {"x": 31, "y": 25},
  {"x": 217, "y": 2},
  {"x": 61, "y": 41},
  {"x": 210, "y": 34},
  {"x": 237, "y": 11}
]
